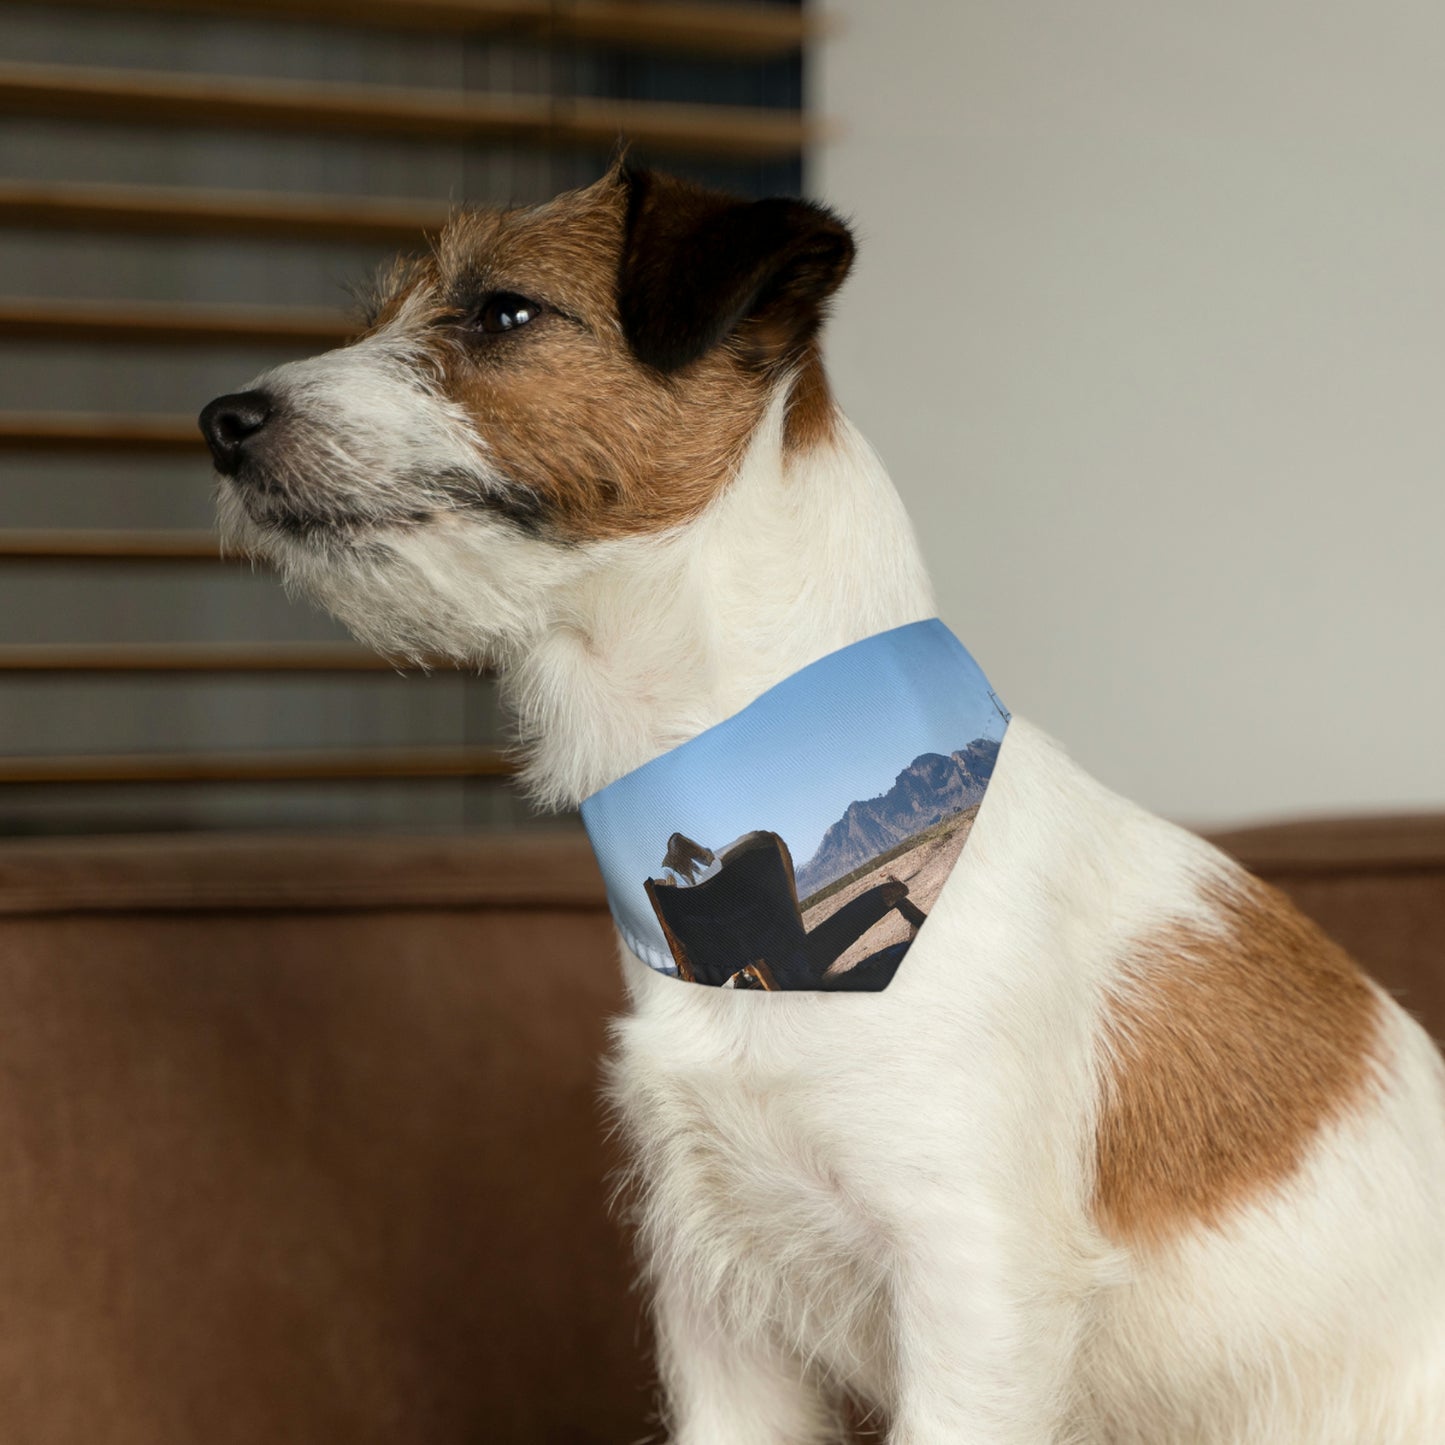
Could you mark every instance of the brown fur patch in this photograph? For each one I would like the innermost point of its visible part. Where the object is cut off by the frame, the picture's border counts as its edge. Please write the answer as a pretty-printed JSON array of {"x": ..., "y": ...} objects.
[
  {"x": 812, "y": 413},
  {"x": 1228, "y": 1053},
  {"x": 598, "y": 443}
]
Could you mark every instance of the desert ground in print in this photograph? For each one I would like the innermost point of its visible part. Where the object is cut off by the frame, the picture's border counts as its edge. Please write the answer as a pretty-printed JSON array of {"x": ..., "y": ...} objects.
[{"x": 924, "y": 864}]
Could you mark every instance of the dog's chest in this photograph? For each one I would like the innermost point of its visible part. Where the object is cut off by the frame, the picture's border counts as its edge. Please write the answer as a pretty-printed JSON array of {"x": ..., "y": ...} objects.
[{"x": 750, "y": 1185}]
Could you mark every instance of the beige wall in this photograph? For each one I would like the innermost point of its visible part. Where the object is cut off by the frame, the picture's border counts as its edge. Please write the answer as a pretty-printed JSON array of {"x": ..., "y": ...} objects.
[{"x": 1149, "y": 324}]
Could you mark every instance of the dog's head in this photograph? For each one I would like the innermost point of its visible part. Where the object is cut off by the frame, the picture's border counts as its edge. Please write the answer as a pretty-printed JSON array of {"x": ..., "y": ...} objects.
[{"x": 547, "y": 382}]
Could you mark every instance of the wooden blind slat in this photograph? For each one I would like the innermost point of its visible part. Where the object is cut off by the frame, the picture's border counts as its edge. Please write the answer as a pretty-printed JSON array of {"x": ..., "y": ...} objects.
[
  {"x": 705, "y": 29},
  {"x": 157, "y": 97},
  {"x": 176, "y": 211},
  {"x": 168, "y": 323},
  {"x": 359, "y": 764},
  {"x": 95, "y": 431},
  {"x": 108, "y": 546},
  {"x": 181, "y": 657}
]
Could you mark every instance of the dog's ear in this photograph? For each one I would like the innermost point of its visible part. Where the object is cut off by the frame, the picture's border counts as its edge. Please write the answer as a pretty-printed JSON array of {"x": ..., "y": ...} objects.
[{"x": 699, "y": 267}]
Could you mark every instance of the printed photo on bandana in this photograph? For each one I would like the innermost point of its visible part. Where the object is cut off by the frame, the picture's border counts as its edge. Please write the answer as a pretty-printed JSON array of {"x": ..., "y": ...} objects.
[{"x": 801, "y": 843}]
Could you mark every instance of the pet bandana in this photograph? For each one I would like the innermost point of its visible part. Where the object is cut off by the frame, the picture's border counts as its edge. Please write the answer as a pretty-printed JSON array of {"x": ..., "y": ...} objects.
[{"x": 801, "y": 843}]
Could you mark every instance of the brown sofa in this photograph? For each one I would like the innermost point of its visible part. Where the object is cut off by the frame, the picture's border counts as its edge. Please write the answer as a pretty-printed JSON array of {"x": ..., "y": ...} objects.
[{"x": 299, "y": 1141}]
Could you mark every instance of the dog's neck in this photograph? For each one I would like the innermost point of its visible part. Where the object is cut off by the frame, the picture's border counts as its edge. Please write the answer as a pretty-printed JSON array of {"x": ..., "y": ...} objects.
[{"x": 804, "y": 553}]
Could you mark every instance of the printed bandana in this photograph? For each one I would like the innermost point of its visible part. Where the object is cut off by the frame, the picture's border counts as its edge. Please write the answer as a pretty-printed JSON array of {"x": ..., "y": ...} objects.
[{"x": 783, "y": 848}]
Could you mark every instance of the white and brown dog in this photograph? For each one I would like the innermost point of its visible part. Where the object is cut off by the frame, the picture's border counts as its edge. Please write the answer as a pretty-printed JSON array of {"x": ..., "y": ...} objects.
[{"x": 1128, "y": 1152}]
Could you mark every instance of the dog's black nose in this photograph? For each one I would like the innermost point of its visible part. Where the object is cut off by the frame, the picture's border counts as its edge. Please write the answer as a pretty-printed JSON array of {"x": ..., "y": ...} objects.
[{"x": 229, "y": 422}]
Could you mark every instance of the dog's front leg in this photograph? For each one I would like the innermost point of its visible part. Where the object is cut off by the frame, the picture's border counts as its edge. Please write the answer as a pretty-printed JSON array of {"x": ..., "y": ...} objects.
[
  {"x": 985, "y": 1349},
  {"x": 723, "y": 1388}
]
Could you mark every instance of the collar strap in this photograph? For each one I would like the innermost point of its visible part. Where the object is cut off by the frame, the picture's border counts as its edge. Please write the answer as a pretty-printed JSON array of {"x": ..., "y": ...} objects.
[{"x": 784, "y": 848}]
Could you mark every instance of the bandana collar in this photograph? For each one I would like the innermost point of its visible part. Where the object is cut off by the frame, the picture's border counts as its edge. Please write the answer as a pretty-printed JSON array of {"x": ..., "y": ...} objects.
[{"x": 773, "y": 852}]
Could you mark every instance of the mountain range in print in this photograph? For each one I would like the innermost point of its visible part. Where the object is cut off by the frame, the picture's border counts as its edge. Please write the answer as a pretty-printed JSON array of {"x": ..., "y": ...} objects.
[{"x": 931, "y": 788}]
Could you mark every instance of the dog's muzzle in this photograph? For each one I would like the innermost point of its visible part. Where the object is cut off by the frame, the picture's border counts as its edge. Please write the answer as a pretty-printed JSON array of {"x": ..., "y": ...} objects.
[{"x": 231, "y": 424}]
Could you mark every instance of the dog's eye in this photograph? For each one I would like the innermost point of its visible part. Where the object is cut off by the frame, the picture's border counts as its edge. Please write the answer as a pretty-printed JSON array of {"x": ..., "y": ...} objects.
[{"x": 506, "y": 311}]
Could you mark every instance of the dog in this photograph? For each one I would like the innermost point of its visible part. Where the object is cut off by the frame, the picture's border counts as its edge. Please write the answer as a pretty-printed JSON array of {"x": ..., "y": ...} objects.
[{"x": 1128, "y": 1153}]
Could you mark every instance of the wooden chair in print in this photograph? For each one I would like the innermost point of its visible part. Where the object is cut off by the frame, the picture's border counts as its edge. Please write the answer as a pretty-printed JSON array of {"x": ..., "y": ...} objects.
[{"x": 743, "y": 927}]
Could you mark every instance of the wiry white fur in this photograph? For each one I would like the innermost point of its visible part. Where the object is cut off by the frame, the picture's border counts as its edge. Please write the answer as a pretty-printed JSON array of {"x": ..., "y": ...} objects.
[
  {"x": 889, "y": 1194},
  {"x": 370, "y": 443}
]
